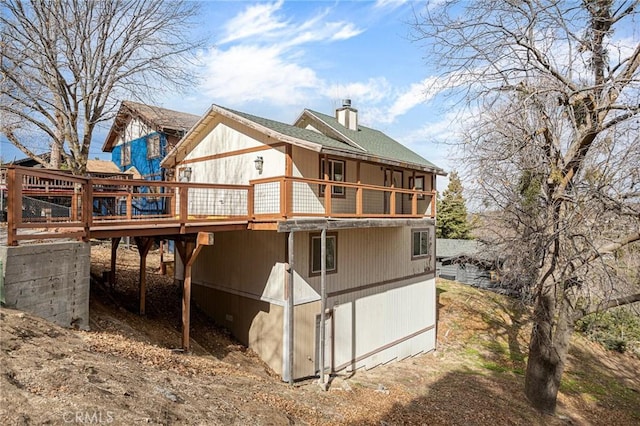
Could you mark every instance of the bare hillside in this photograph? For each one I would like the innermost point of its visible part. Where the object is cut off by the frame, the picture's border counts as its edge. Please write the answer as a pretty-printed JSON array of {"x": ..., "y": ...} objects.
[{"x": 125, "y": 370}]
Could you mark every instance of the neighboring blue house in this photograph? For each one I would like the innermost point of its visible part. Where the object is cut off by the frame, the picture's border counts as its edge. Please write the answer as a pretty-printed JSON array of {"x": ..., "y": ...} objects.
[{"x": 140, "y": 137}]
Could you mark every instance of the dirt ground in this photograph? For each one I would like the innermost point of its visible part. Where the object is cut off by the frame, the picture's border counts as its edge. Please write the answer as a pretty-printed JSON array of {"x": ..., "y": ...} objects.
[{"x": 126, "y": 370}]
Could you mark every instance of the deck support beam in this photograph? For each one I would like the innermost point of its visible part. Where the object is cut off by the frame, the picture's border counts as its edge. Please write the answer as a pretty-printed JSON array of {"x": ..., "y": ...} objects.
[
  {"x": 143, "y": 244},
  {"x": 115, "y": 242},
  {"x": 188, "y": 252}
]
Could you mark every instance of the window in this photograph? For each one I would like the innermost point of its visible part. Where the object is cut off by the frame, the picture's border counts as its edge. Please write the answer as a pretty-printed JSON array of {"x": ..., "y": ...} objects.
[
  {"x": 419, "y": 185},
  {"x": 421, "y": 243},
  {"x": 153, "y": 146},
  {"x": 125, "y": 156},
  {"x": 336, "y": 173},
  {"x": 332, "y": 254}
]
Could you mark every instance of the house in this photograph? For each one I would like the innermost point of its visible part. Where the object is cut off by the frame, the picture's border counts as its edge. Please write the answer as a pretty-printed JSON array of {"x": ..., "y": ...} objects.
[
  {"x": 138, "y": 140},
  {"x": 141, "y": 135},
  {"x": 466, "y": 261},
  {"x": 324, "y": 185}
]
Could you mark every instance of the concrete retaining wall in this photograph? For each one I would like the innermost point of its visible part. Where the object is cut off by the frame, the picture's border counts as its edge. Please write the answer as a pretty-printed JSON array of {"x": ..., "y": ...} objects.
[{"x": 49, "y": 280}]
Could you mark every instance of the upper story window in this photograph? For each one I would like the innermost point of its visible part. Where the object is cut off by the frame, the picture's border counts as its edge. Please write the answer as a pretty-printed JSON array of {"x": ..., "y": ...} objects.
[
  {"x": 316, "y": 254},
  {"x": 418, "y": 184},
  {"x": 153, "y": 146},
  {"x": 125, "y": 155},
  {"x": 336, "y": 173},
  {"x": 421, "y": 243}
]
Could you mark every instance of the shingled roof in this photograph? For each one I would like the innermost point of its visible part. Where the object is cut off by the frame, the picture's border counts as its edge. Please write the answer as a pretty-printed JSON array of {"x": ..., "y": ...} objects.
[
  {"x": 366, "y": 143},
  {"x": 160, "y": 119}
]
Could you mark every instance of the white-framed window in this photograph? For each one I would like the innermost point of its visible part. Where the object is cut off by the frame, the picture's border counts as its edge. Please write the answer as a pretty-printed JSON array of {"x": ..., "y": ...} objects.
[
  {"x": 315, "y": 250},
  {"x": 125, "y": 155},
  {"x": 153, "y": 146},
  {"x": 418, "y": 184},
  {"x": 337, "y": 172},
  {"x": 421, "y": 246}
]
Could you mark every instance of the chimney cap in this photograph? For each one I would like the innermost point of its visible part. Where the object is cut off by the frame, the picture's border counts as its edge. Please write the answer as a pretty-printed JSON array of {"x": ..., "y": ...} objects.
[{"x": 346, "y": 103}]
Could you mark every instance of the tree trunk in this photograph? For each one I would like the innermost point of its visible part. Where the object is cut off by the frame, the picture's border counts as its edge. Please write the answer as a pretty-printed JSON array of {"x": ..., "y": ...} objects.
[{"x": 548, "y": 351}]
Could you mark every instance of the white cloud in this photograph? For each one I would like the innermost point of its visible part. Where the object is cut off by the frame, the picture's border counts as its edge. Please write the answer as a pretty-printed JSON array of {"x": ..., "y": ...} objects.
[
  {"x": 380, "y": 4},
  {"x": 261, "y": 55},
  {"x": 246, "y": 73},
  {"x": 255, "y": 20}
]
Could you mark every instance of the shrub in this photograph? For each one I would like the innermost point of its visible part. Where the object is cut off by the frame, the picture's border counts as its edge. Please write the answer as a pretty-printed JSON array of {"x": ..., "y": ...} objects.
[{"x": 617, "y": 329}]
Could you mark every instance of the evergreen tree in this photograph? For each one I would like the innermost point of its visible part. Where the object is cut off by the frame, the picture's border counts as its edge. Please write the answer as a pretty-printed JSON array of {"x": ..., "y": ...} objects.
[{"x": 452, "y": 212}]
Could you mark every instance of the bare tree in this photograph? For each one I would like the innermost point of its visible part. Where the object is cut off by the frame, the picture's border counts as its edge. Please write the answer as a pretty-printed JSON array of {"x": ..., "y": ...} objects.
[
  {"x": 554, "y": 149},
  {"x": 64, "y": 63}
]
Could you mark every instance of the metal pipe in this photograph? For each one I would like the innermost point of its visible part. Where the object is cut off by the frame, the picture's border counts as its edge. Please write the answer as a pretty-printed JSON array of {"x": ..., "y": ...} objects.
[
  {"x": 290, "y": 310},
  {"x": 323, "y": 301}
]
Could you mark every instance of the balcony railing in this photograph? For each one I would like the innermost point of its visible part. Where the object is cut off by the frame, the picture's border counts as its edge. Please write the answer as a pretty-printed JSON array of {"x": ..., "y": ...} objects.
[
  {"x": 61, "y": 205},
  {"x": 287, "y": 197}
]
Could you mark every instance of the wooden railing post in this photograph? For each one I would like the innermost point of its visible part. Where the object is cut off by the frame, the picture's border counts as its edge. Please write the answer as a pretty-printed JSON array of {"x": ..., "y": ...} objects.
[
  {"x": 250, "y": 202},
  {"x": 184, "y": 204},
  {"x": 358, "y": 191},
  {"x": 130, "y": 205},
  {"x": 392, "y": 201},
  {"x": 328, "y": 188},
  {"x": 14, "y": 205},
  {"x": 87, "y": 208},
  {"x": 433, "y": 204},
  {"x": 283, "y": 197},
  {"x": 172, "y": 203},
  {"x": 287, "y": 185},
  {"x": 414, "y": 204}
]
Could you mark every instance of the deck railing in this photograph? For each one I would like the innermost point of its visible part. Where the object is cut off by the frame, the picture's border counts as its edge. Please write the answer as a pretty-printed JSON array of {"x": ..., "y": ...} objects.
[
  {"x": 286, "y": 197},
  {"x": 59, "y": 205}
]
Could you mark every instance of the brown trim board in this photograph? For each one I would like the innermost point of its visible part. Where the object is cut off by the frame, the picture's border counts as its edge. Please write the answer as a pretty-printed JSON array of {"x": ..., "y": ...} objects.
[{"x": 232, "y": 153}]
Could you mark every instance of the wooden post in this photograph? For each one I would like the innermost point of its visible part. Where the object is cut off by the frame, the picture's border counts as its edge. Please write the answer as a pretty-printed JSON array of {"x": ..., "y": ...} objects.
[
  {"x": 143, "y": 244},
  {"x": 392, "y": 197},
  {"x": 87, "y": 208},
  {"x": 414, "y": 197},
  {"x": 327, "y": 188},
  {"x": 114, "y": 250},
  {"x": 74, "y": 204},
  {"x": 358, "y": 191},
  {"x": 14, "y": 205},
  {"x": 433, "y": 203},
  {"x": 250, "y": 208},
  {"x": 191, "y": 253},
  {"x": 283, "y": 197},
  {"x": 129, "y": 206},
  {"x": 288, "y": 183},
  {"x": 184, "y": 207}
]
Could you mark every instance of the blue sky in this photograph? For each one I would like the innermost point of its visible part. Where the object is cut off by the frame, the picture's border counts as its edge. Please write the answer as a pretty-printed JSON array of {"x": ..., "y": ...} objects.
[{"x": 273, "y": 59}]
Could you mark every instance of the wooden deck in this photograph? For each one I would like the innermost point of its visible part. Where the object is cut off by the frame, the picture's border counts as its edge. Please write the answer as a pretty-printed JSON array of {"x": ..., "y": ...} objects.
[{"x": 45, "y": 204}]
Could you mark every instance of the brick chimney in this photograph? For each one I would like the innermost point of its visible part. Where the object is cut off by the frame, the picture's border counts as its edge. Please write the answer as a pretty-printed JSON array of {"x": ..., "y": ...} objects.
[{"x": 347, "y": 116}]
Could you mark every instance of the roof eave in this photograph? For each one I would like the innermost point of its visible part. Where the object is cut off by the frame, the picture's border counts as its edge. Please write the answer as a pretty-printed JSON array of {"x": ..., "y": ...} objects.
[
  {"x": 387, "y": 161},
  {"x": 210, "y": 114}
]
